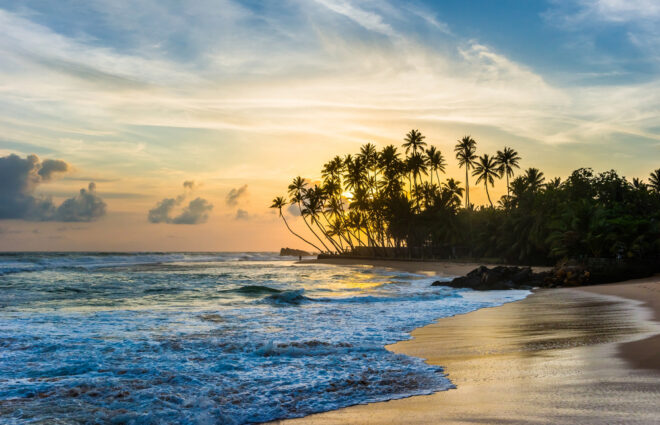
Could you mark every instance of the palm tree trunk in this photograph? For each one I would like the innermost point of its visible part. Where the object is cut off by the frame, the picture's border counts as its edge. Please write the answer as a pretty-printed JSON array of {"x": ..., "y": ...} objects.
[
  {"x": 508, "y": 190},
  {"x": 310, "y": 228},
  {"x": 321, "y": 228},
  {"x": 467, "y": 188},
  {"x": 301, "y": 238},
  {"x": 327, "y": 220},
  {"x": 487, "y": 194},
  {"x": 346, "y": 226}
]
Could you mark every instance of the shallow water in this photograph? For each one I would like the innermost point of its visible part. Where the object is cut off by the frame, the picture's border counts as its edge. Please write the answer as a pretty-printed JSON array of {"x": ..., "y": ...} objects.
[{"x": 209, "y": 338}]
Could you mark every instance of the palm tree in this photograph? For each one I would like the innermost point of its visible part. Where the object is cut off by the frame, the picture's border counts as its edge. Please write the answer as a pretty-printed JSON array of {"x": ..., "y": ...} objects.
[
  {"x": 465, "y": 153},
  {"x": 417, "y": 166},
  {"x": 534, "y": 179},
  {"x": 415, "y": 140},
  {"x": 435, "y": 161},
  {"x": 314, "y": 202},
  {"x": 486, "y": 170},
  {"x": 296, "y": 190},
  {"x": 506, "y": 161},
  {"x": 279, "y": 202},
  {"x": 370, "y": 155},
  {"x": 654, "y": 180}
]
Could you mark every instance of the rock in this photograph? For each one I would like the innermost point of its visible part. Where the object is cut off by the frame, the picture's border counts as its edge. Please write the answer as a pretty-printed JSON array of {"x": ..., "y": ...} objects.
[
  {"x": 294, "y": 252},
  {"x": 501, "y": 277}
]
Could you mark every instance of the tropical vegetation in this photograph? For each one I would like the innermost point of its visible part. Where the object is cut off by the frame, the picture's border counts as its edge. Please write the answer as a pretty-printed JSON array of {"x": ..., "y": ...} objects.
[{"x": 392, "y": 202}]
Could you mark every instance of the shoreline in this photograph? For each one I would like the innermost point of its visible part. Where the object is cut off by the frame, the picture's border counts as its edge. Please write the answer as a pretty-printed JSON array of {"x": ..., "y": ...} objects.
[
  {"x": 557, "y": 356},
  {"x": 447, "y": 268}
]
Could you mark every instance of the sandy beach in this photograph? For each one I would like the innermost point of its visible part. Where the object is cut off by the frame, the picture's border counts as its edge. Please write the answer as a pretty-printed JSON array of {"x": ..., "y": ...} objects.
[{"x": 561, "y": 356}]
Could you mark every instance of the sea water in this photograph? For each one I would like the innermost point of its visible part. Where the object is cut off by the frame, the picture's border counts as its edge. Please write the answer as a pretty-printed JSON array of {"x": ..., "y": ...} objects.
[{"x": 227, "y": 338}]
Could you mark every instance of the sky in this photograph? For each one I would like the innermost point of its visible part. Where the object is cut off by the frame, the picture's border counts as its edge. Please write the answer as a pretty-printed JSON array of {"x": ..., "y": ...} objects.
[{"x": 170, "y": 125}]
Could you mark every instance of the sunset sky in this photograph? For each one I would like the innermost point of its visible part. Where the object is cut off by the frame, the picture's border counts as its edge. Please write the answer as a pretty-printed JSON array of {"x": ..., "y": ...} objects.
[{"x": 202, "y": 111}]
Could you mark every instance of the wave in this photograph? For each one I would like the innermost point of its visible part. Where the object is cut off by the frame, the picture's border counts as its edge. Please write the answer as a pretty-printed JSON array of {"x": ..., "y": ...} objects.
[
  {"x": 254, "y": 290},
  {"x": 292, "y": 297},
  {"x": 306, "y": 348},
  {"x": 11, "y": 263}
]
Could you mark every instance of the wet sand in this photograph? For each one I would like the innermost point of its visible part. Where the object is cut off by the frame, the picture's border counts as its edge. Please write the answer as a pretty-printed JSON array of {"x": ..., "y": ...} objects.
[{"x": 561, "y": 356}]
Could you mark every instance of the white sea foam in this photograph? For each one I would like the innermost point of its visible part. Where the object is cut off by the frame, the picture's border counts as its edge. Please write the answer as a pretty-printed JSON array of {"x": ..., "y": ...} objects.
[{"x": 210, "y": 338}]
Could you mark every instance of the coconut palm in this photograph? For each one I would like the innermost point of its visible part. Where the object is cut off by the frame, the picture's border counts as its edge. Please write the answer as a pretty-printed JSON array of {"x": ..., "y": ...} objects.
[
  {"x": 279, "y": 202},
  {"x": 414, "y": 140},
  {"x": 436, "y": 162},
  {"x": 296, "y": 191},
  {"x": 486, "y": 171},
  {"x": 417, "y": 166},
  {"x": 369, "y": 154},
  {"x": 465, "y": 153},
  {"x": 534, "y": 179},
  {"x": 654, "y": 180},
  {"x": 506, "y": 161},
  {"x": 314, "y": 200},
  {"x": 355, "y": 176}
]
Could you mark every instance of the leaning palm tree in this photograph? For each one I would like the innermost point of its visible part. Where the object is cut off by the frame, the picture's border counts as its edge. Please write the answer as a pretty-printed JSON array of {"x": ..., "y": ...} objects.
[
  {"x": 297, "y": 190},
  {"x": 465, "y": 153},
  {"x": 279, "y": 202},
  {"x": 436, "y": 161},
  {"x": 486, "y": 170},
  {"x": 414, "y": 140},
  {"x": 654, "y": 180},
  {"x": 506, "y": 161}
]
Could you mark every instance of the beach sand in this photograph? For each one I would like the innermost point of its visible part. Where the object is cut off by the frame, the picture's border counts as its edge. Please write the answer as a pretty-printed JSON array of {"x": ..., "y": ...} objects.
[{"x": 560, "y": 356}]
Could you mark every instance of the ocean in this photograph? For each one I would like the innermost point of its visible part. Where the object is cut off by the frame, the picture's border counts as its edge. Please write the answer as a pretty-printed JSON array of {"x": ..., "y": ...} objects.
[{"x": 208, "y": 338}]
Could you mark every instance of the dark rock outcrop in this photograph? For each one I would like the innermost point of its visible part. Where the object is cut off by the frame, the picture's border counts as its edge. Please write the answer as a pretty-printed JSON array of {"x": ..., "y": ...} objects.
[
  {"x": 564, "y": 274},
  {"x": 294, "y": 252},
  {"x": 500, "y": 277}
]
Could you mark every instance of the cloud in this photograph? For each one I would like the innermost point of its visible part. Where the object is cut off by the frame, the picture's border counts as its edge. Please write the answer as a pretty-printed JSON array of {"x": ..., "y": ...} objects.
[
  {"x": 52, "y": 166},
  {"x": 161, "y": 213},
  {"x": 638, "y": 20},
  {"x": 86, "y": 206},
  {"x": 262, "y": 81},
  {"x": 196, "y": 212},
  {"x": 293, "y": 210},
  {"x": 19, "y": 178},
  {"x": 235, "y": 195},
  {"x": 242, "y": 215}
]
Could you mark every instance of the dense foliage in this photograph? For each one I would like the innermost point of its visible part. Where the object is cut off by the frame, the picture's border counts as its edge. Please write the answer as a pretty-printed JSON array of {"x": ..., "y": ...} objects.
[{"x": 389, "y": 203}]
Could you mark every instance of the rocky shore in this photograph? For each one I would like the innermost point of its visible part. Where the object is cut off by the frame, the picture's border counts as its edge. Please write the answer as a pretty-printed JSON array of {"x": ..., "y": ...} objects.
[
  {"x": 567, "y": 274},
  {"x": 290, "y": 252}
]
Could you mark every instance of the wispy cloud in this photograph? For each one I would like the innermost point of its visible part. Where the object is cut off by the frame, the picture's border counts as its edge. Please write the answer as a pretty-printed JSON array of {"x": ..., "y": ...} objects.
[
  {"x": 235, "y": 195},
  {"x": 233, "y": 91}
]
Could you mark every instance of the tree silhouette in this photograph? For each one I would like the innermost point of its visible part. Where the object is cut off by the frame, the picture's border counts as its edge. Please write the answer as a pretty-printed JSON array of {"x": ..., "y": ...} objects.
[
  {"x": 279, "y": 202},
  {"x": 296, "y": 191},
  {"x": 465, "y": 153},
  {"x": 436, "y": 162},
  {"x": 485, "y": 169},
  {"x": 384, "y": 203},
  {"x": 534, "y": 179},
  {"x": 654, "y": 180},
  {"x": 506, "y": 161}
]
